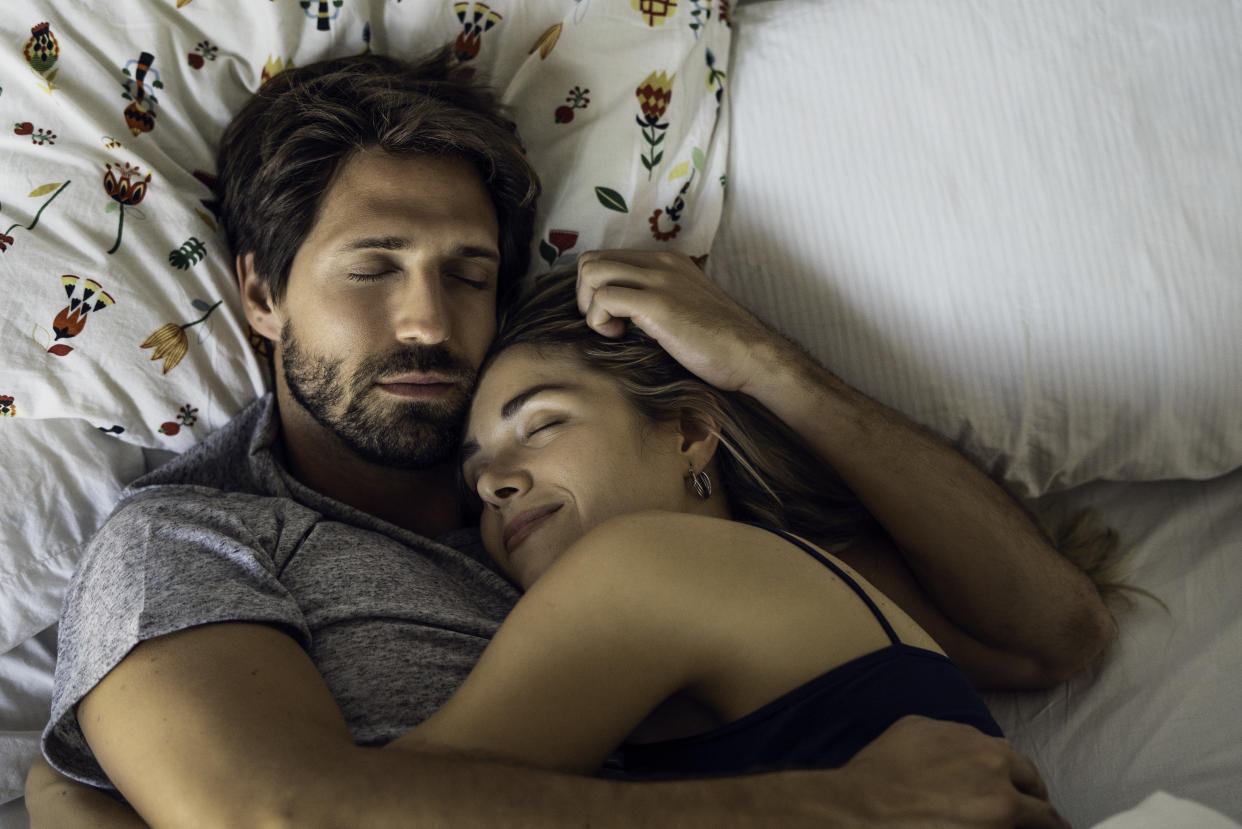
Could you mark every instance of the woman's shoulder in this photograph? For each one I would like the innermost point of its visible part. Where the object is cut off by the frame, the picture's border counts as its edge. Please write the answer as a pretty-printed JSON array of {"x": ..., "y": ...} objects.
[
  {"x": 666, "y": 538},
  {"x": 694, "y": 560}
]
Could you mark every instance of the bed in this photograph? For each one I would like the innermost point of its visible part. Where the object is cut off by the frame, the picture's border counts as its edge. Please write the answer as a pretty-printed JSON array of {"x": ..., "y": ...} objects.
[{"x": 1017, "y": 223}]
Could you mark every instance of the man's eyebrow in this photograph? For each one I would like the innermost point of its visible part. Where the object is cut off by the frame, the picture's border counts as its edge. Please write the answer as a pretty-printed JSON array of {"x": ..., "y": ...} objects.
[
  {"x": 507, "y": 411},
  {"x": 404, "y": 243}
]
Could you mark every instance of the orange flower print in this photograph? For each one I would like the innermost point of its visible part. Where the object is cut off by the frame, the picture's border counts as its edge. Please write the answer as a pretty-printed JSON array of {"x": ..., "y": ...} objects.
[
  {"x": 476, "y": 18},
  {"x": 127, "y": 190},
  {"x": 85, "y": 296}
]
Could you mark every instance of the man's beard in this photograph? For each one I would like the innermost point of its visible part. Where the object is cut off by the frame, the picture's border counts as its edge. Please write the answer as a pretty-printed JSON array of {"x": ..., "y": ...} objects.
[{"x": 403, "y": 434}]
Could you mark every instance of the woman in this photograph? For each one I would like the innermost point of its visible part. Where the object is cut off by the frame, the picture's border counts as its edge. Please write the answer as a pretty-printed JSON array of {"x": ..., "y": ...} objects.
[{"x": 675, "y": 606}]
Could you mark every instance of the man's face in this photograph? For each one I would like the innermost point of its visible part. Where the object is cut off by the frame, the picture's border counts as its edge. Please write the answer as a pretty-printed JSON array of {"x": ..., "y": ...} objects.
[{"x": 391, "y": 304}]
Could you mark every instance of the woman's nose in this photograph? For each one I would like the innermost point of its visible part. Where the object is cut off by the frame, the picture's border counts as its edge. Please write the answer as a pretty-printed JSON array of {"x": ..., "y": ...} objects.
[{"x": 497, "y": 485}]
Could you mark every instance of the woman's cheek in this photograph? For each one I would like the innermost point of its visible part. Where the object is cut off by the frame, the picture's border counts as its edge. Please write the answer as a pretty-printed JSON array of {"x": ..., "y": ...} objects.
[{"x": 489, "y": 529}]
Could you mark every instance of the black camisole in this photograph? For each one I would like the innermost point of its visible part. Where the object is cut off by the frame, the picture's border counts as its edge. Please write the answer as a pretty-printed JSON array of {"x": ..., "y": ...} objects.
[{"x": 824, "y": 722}]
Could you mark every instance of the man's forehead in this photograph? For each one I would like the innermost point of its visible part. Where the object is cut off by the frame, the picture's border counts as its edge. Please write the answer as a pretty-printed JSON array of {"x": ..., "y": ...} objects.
[{"x": 380, "y": 203}]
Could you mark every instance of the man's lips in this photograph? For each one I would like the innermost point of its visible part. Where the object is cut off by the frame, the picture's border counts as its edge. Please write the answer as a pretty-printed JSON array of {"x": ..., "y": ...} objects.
[
  {"x": 516, "y": 531},
  {"x": 417, "y": 385}
]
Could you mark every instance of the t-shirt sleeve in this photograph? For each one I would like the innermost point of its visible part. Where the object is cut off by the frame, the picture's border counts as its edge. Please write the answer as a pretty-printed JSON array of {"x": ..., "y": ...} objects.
[{"x": 161, "y": 564}]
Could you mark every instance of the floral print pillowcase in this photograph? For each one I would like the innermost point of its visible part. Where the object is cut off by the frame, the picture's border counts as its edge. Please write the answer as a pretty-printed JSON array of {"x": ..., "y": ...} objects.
[
  {"x": 121, "y": 308},
  {"x": 121, "y": 332}
]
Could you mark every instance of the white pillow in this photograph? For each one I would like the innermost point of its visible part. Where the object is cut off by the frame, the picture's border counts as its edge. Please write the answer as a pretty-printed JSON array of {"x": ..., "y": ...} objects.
[
  {"x": 1016, "y": 222},
  {"x": 100, "y": 202}
]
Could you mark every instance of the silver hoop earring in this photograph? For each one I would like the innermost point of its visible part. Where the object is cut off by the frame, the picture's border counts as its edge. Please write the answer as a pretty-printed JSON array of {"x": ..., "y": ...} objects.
[{"x": 701, "y": 483}]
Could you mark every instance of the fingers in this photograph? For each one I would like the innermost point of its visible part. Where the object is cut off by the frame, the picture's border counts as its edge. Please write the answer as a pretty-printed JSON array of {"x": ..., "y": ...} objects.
[
  {"x": 1035, "y": 813},
  {"x": 631, "y": 268},
  {"x": 1025, "y": 776},
  {"x": 612, "y": 304},
  {"x": 595, "y": 274},
  {"x": 1033, "y": 809}
]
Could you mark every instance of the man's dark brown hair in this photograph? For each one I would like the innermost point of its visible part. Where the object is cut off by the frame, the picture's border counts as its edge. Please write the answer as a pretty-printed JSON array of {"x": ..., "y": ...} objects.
[{"x": 279, "y": 154}]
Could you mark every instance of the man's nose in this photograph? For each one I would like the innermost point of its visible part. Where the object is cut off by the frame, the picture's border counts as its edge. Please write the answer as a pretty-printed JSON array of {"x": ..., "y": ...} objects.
[{"x": 421, "y": 312}]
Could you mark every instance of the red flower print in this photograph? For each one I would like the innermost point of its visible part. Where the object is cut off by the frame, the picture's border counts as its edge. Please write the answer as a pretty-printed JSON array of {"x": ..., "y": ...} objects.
[
  {"x": 125, "y": 191},
  {"x": 577, "y": 99},
  {"x": 662, "y": 235}
]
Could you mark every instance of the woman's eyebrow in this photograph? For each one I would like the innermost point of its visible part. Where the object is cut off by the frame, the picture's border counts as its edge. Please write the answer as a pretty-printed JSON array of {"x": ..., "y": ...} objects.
[
  {"x": 511, "y": 408},
  {"x": 519, "y": 400}
]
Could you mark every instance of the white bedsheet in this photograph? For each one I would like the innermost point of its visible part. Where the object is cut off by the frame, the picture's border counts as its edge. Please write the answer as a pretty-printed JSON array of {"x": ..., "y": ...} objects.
[
  {"x": 25, "y": 700},
  {"x": 1160, "y": 711}
]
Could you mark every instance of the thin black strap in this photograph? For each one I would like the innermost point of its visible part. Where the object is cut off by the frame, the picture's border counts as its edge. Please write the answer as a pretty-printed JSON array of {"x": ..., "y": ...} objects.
[{"x": 862, "y": 594}]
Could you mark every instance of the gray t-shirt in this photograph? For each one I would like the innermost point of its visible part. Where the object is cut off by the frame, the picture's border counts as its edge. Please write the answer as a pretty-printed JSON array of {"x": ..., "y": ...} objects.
[{"x": 392, "y": 620}]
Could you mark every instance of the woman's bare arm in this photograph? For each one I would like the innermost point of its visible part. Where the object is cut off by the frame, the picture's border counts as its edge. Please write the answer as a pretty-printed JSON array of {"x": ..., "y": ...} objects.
[
  {"x": 54, "y": 801},
  {"x": 597, "y": 643}
]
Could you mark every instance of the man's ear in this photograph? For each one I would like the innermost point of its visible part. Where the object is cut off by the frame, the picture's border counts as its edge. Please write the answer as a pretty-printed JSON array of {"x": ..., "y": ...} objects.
[
  {"x": 257, "y": 299},
  {"x": 700, "y": 437}
]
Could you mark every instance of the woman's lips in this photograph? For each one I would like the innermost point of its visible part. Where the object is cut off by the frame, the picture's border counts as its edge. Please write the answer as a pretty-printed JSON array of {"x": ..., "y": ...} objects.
[{"x": 517, "y": 530}]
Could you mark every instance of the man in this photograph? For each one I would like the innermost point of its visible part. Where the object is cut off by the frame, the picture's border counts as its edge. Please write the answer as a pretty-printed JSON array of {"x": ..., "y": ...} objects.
[{"x": 262, "y": 617}]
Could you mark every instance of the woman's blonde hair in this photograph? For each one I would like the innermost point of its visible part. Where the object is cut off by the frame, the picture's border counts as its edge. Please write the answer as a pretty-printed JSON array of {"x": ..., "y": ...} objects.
[{"x": 768, "y": 473}]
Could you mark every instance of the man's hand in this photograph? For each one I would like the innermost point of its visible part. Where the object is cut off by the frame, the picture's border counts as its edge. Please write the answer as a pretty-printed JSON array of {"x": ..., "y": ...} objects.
[
  {"x": 673, "y": 301},
  {"x": 929, "y": 774}
]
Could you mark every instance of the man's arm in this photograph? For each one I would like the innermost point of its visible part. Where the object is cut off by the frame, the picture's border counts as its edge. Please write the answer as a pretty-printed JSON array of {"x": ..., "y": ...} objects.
[
  {"x": 974, "y": 551},
  {"x": 229, "y": 725}
]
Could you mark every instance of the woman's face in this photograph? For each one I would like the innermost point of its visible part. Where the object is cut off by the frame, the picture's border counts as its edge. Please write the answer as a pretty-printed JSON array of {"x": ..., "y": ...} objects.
[{"x": 554, "y": 448}]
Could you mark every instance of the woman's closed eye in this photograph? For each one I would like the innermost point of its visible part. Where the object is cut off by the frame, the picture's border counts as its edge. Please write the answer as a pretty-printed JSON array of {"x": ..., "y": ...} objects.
[{"x": 543, "y": 426}]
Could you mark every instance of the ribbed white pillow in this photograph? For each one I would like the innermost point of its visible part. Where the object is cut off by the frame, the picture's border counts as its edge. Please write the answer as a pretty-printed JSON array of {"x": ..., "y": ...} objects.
[{"x": 1018, "y": 223}]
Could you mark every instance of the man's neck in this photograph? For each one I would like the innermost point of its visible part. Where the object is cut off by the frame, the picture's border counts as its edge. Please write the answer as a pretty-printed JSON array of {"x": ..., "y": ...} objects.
[{"x": 424, "y": 501}]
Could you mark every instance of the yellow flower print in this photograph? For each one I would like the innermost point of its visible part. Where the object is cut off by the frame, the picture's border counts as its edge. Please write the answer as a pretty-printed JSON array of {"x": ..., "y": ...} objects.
[{"x": 171, "y": 342}]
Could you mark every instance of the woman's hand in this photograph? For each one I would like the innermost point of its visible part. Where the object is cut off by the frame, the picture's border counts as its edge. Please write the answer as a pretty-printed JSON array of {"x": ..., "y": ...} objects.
[{"x": 55, "y": 801}]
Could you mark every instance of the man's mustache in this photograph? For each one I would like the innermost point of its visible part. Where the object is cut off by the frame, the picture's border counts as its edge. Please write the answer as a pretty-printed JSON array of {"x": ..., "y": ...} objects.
[{"x": 421, "y": 359}]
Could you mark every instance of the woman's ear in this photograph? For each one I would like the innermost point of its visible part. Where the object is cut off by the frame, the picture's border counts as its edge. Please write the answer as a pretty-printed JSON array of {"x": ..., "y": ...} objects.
[
  {"x": 700, "y": 437},
  {"x": 257, "y": 299}
]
